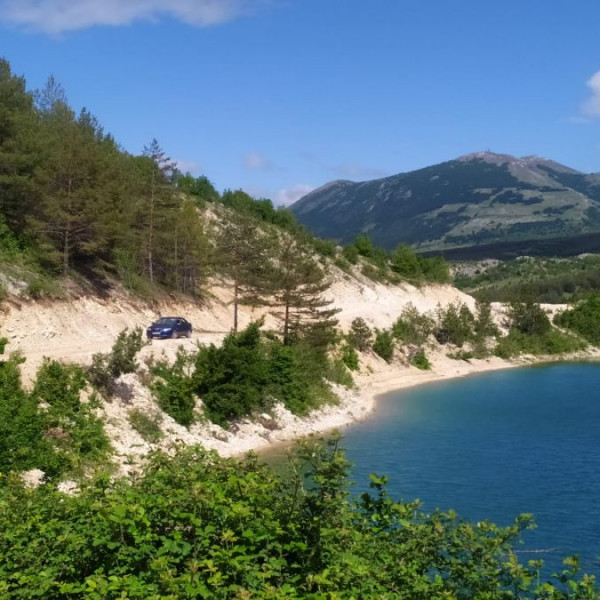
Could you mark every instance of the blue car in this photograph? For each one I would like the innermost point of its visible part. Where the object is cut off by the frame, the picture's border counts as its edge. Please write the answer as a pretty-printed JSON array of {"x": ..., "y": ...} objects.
[{"x": 169, "y": 327}]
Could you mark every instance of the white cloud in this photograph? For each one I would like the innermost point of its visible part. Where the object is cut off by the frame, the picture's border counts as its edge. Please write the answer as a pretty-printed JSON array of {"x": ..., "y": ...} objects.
[
  {"x": 289, "y": 195},
  {"x": 59, "y": 16},
  {"x": 187, "y": 166},
  {"x": 254, "y": 161},
  {"x": 591, "y": 106}
]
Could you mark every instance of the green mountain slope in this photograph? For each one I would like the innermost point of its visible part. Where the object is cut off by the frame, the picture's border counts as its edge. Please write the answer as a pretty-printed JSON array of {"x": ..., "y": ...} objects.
[{"x": 478, "y": 199}]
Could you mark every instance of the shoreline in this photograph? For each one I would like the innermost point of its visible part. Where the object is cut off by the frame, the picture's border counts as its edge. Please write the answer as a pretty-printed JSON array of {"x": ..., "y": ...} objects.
[{"x": 358, "y": 403}]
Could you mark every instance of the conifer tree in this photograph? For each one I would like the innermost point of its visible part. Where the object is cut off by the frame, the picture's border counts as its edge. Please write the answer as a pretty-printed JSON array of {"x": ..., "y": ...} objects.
[
  {"x": 299, "y": 284},
  {"x": 69, "y": 180},
  {"x": 157, "y": 204},
  {"x": 19, "y": 149},
  {"x": 243, "y": 255}
]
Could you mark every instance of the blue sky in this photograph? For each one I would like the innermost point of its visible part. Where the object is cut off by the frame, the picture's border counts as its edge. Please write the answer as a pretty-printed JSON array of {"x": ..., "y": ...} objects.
[{"x": 280, "y": 96}]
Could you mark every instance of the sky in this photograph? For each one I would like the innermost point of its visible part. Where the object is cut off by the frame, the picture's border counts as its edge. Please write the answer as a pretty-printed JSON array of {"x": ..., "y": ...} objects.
[{"x": 278, "y": 97}]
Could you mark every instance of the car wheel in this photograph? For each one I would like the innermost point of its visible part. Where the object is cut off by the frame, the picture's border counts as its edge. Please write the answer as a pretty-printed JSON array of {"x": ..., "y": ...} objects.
[
  {"x": 188, "y": 334},
  {"x": 173, "y": 335}
]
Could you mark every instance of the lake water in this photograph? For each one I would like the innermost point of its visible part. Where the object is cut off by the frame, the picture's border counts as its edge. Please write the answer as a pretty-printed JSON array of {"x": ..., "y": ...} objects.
[{"x": 493, "y": 446}]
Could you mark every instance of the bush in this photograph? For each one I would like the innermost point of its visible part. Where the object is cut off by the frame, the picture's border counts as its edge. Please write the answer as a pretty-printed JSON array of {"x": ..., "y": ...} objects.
[
  {"x": 199, "y": 526},
  {"x": 105, "y": 368},
  {"x": 550, "y": 342},
  {"x": 584, "y": 318},
  {"x": 412, "y": 327},
  {"x": 350, "y": 357},
  {"x": 456, "y": 325},
  {"x": 420, "y": 360},
  {"x": 360, "y": 335},
  {"x": 174, "y": 387},
  {"x": 350, "y": 253},
  {"x": 148, "y": 426},
  {"x": 529, "y": 318},
  {"x": 232, "y": 380},
  {"x": 50, "y": 428},
  {"x": 384, "y": 344}
]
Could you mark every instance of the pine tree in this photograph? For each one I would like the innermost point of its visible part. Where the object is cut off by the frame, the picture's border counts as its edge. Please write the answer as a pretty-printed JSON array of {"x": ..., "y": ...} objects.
[
  {"x": 243, "y": 255},
  {"x": 299, "y": 284},
  {"x": 70, "y": 181},
  {"x": 19, "y": 149},
  {"x": 158, "y": 203}
]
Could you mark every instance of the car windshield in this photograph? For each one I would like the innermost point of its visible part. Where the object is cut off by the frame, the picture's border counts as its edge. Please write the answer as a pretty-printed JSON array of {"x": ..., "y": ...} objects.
[{"x": 166, "y": 322}]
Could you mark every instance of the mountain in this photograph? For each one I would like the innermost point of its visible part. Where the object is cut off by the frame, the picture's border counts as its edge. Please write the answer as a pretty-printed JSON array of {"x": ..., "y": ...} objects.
[{"x": 481, "y": 204}]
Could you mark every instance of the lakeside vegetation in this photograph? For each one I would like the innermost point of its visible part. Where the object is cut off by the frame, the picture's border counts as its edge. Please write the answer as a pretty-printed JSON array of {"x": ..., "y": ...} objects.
[{"x": 197, "y": 526}]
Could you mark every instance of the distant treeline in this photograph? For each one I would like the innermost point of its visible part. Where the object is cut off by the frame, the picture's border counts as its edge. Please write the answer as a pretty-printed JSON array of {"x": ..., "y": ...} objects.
[{"x": 551, "y": 281}]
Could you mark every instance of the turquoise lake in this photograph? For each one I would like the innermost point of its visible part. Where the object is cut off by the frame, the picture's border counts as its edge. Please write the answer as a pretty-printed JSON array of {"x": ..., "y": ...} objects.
[{"x": 494, "y": 446}]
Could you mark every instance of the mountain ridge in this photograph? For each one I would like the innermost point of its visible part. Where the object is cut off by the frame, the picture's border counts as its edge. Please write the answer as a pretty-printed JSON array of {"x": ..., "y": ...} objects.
[{"x": 481, "y": 198}]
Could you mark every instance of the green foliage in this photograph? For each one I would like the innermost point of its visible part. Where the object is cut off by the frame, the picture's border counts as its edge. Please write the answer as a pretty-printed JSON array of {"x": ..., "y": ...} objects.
[
  {"x": 456, "y": 325},
  {"x": 350, "y": 253},
  {"x": 232, "y": 380},
  {"x": 405, "y": 262},
  {"x": 417, "y": 269},
  {"x": 199, "y": 187},
  {"x": 175, "y": 386},
  {"x": 583, "y": 318},
  {"x": 360, "y": 335},
  {"x": 435, "y": 269},
  {"x": 75, "y": 432},
  {"x": 22, "y": 443},
  {"x": 549, "y": 342},
  {"x": 105, "y": 368},
  {"x": 325, "y": 247},
  {"x": 350, "y": 357},
  {"x": 547, "y": 280},
  {"x": 420, "y": 360},
  {"x": 41, "y": 286},
  {"x": 384, "y": 344},
  {"x": 198, "y": 526},
  {"x": 412, "y": 327},
  {"x": 263, "y": 210},
  {"x": 528, "y": 318},
  {"x": 49, "y": 428},
  {"x": 147, "y": 425},
  {"x": 364, "y": 246}
]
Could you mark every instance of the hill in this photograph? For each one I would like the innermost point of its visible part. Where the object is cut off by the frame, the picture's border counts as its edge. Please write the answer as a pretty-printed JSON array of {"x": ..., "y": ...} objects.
[{"x": 509, "y": 205}]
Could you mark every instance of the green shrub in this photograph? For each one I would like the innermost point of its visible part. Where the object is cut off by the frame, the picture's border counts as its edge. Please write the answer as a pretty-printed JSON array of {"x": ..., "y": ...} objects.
[
  {"x": 199, "y": 526},
  {"x": 174, "y": 387},
  {"x": 456, "y": 325},
  {"x": 337, "y": 372},
  {"x": 384, "y": 344},
  {"x": 105, "y": 368},
  {"x": 364, "y": 246},
  {"x": 412, "y": 327},
  {"x": 147, "y": 425},
  {"x": 550, "y": 342},
  {"x": 584, "y": 318},
  {"x": 232, "y": 380},
  {"x": 529, "y": 318},
  {"x": 350, "y": 253},
  {"x": 420, "y": 360},
  {"x": 43, "y": 287},
  {"x": 350, "y": 357}
]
